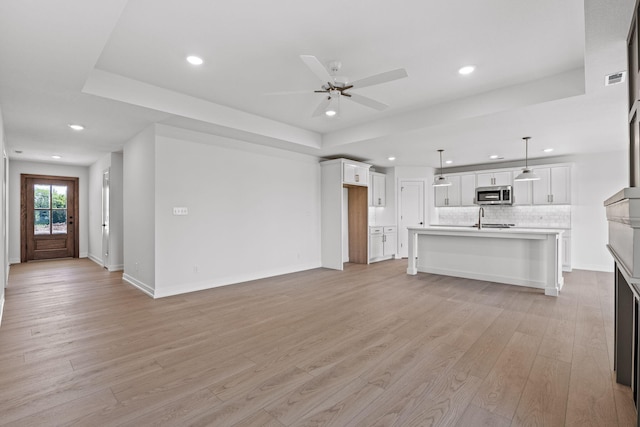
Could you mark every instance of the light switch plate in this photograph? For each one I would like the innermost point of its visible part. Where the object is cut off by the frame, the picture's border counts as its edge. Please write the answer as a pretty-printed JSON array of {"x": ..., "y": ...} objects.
[{"x": 180, "y": 211}]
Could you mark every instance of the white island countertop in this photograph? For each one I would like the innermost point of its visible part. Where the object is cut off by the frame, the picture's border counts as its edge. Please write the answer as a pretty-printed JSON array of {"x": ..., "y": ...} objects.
[{"x": 517, "y": 256}]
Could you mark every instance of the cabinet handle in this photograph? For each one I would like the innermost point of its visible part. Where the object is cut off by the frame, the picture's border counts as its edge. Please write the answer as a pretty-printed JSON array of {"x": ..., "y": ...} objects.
[
  {"x": 379, "y": 200},
  {"x": 552, "y": 198},
  {"x": 357, "y": 178}
]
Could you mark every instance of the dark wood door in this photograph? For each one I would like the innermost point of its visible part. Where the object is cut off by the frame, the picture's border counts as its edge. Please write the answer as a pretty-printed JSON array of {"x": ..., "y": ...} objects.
[{"x": 49, "y": 217}]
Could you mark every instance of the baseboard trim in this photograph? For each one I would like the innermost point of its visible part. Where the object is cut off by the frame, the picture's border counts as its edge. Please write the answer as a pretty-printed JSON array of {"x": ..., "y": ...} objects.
[
  {"x": 14, "y": 260},
  {"x": 138, "y": 284},
  {"x": 119, "y": 267},
  {"x": 95, "y": 259},
  {"x": 183, "y": 288},
  {"x": 1, "y": 308}
]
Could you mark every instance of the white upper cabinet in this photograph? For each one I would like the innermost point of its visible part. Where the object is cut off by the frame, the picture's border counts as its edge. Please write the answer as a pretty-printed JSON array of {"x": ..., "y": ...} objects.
[
  {"x": 449, "y": 195},
  {"x": 553, "y": 187},
  {"x": 355, "y": 173},
  {"x": 377, "y": 189},
  {"x": 467, "y": 189},
  {"x": 522, "y": 192},
  {"x": 494, "y": 178}
]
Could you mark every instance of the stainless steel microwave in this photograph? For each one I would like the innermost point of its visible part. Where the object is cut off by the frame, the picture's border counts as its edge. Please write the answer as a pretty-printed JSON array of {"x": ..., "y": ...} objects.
[{"x": 497, "y": 195}]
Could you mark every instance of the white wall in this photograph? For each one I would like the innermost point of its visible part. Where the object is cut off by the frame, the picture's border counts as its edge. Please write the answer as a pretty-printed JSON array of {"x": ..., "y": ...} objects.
[
  {"x": 116, "y": 216},
  {"x": 139, "y": 195},
  {"x": 114, "y": 162},
  {"x": 253, "y": 212},
  {"x": 595, "y": 178},
  {"x": 4, "y": 263},
  {"x": 19, "y": 167}
]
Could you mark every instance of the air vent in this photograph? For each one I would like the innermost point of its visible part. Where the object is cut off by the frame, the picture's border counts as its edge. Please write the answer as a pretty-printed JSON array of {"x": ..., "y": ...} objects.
[{"x": 615, "y": 78}]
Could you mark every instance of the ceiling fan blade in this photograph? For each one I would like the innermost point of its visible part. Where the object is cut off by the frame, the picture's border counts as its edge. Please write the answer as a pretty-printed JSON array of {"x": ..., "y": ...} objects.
[
  {"x": 368, "y": 102},
  {"x": 317, "y": 68},
  {"x": 290, "y": 92},
  {"x": 322, "y": 107},
  {"x": 400, "y": 73}
]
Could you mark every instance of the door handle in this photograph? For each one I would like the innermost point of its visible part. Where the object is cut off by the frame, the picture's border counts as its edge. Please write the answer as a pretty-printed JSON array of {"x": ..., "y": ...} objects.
[{"x": 421, "y": 223}]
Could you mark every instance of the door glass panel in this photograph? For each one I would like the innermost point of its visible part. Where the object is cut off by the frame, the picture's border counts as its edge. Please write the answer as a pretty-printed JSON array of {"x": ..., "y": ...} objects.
[
  {"x": 41, "y": 223},
  {"x": 41, "y": 196},
  {"x": 59, "y": 220},
  {"x": 59, "y": 211},
  {"x": 59, "y": 196},
  {"x": 50, "y": 209}
]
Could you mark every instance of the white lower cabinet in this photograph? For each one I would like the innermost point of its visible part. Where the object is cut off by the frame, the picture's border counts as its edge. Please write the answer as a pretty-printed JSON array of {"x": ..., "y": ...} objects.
[
  {"x": 383, "y": 242},
  {"x": 566, "y": 251}
]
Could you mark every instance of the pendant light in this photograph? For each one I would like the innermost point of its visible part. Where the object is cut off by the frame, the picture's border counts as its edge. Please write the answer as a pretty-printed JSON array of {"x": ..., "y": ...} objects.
[
  {"x": 527, "y": 174},
  {"x": 441, "y": 181}
]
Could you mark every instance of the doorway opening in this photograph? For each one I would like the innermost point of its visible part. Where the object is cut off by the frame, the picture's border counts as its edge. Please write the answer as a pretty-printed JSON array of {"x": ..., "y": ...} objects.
[{"x": 48, "y": 217}]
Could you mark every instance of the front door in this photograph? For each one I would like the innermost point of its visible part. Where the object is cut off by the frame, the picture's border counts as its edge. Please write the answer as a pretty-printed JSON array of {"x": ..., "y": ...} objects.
[{"x": 49, "y": 225}]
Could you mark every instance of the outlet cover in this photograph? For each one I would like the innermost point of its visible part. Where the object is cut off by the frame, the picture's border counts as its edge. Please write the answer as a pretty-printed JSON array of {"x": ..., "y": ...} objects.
[{"x": 180, "y": 211}]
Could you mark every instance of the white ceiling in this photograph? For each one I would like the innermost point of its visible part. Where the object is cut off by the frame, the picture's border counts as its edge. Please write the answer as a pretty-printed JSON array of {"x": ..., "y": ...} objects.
[{"x": 118, "y": 66}]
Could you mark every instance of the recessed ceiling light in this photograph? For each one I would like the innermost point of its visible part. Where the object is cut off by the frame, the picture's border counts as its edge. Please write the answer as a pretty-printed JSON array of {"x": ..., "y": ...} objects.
[
  {"x": 449, "y": 162},
  {"x": 194, "y": 60},
  {"x": 468, "y": 69},
  {"x": 76, "y": 127},
  {"x": 56, "y": 157},
  {"x": 548, "y": 150},
  {"x": 330, "y": 113},
  {"x": 494, "y": 156},
  {"x": 391, "y": 158}
]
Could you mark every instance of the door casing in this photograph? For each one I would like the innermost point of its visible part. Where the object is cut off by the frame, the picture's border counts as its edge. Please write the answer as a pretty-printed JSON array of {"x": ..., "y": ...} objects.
[{"x": 24, "y": 178}]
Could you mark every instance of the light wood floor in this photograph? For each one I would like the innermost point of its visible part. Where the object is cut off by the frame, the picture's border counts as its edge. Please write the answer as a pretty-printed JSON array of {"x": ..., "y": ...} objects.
[{"x": 365, "y": 347}]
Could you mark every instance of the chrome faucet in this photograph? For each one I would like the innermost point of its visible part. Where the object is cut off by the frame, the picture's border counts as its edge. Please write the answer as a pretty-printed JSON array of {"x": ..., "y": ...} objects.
[{"x": 480, "y": 216}]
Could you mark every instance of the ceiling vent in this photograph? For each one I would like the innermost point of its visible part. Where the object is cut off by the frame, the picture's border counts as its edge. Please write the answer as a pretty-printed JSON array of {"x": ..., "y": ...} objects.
[{"x": 615, "y": 78}]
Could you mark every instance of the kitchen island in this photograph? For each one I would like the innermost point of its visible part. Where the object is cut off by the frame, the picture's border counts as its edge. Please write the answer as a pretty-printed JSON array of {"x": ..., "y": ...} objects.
[{"x": 516, "y": 256}]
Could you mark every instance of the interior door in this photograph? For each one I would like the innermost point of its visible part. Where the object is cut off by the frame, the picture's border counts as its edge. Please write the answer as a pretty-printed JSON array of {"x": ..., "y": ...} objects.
[
  {"x": 49, "y": 225},
  {"x": 411, "y": 211},
  {"x": 105, "y": 218}
]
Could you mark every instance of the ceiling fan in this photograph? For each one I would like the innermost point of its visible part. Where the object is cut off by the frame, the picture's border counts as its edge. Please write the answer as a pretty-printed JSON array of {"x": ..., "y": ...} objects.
[{"x": 336, "y": 87}]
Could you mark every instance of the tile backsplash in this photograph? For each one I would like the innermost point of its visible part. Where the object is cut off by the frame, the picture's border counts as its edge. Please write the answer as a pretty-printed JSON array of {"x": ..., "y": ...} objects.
[{"x": 522, "y": 216}]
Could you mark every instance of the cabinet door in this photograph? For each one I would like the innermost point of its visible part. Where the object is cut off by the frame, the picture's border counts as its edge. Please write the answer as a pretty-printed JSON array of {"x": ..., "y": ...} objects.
[
  {"x": 453, "y": 193},
  {"x": 566, "y": 251},
  {"x": 541, "y": 195},
  {"x": 560, "y": 185},
  {"x": 354, "y": 174},
  {"x": 522, "y": 192},
  {"x": 484, "y": 179},
  {"x": 502, "y": 178},
  {"x": 440, "y": 196},
  {"x": 390, "y": 243},
  {"x": 467, "y": 189},
  {"x": 378, "y": 183},
  {"x": 376, "y": 245}
]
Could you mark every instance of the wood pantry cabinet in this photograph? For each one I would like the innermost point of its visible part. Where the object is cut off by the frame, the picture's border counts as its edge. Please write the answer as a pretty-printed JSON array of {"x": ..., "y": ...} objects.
[
  {"x": 377, "y": 189},
  {"x": 345, "y": 210}
]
